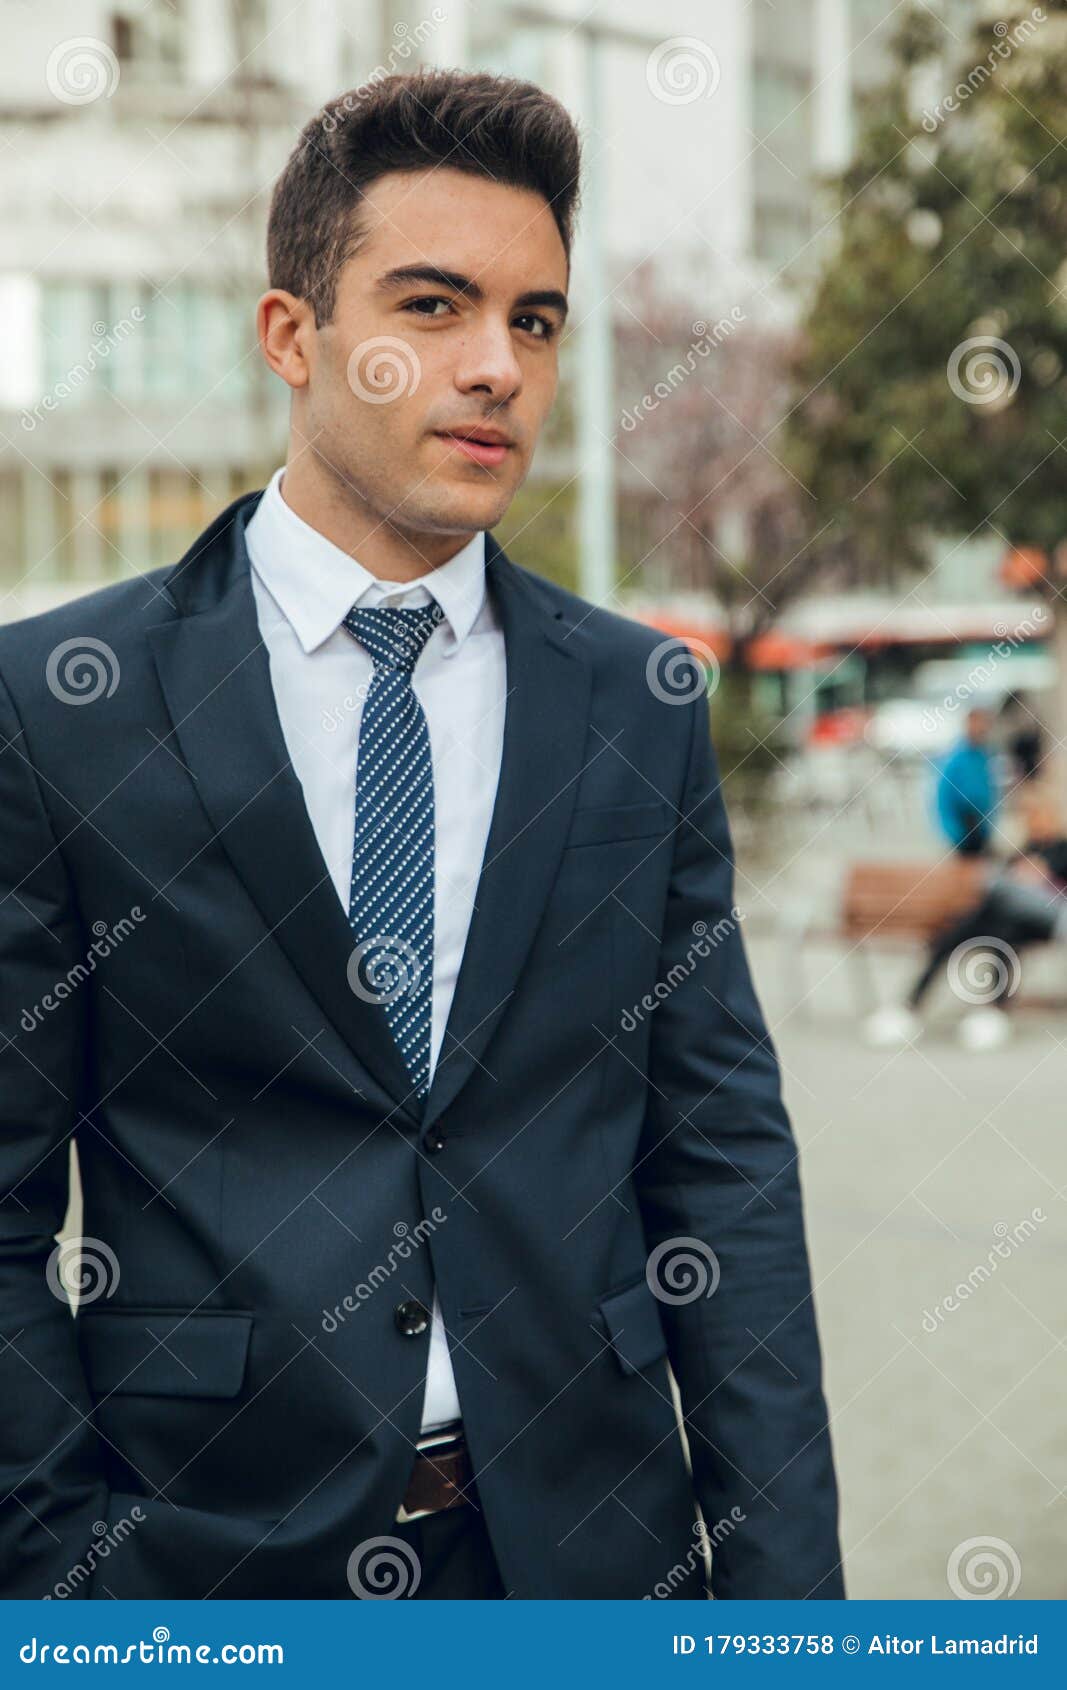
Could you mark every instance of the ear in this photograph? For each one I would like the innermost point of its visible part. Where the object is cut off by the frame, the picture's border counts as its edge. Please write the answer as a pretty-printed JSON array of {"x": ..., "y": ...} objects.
[{"x": 286, "y": 327}]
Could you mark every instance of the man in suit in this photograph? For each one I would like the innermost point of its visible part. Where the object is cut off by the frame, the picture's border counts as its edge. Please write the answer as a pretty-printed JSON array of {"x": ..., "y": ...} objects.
[{"x": 366, "y": 917}]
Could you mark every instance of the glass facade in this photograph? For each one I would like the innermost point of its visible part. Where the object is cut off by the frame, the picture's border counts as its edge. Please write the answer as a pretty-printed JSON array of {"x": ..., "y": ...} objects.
[
  {"x": 99, "y": 485},
  {"x": 142, "y": 343}
]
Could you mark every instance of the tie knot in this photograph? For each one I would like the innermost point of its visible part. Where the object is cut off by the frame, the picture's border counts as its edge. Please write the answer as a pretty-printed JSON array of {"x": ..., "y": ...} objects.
[{"x": 394, "y": 637}]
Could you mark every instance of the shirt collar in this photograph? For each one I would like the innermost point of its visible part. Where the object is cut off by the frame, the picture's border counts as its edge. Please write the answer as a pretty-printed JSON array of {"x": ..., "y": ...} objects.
[{"x": 315, "y": 584}]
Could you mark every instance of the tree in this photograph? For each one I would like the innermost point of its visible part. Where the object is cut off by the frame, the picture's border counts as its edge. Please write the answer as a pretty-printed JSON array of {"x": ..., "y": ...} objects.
[
  {"x": 930, "y": 390},
  {"x": 708, "y": 503}
]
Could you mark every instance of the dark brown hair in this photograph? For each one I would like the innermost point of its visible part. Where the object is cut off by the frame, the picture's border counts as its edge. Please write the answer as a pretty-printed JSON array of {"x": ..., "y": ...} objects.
[{"x": 493, "y": 126}]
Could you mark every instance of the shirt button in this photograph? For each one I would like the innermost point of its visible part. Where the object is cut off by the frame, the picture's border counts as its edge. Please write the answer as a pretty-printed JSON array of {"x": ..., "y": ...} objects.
[{"x": 411, "y": 1318}]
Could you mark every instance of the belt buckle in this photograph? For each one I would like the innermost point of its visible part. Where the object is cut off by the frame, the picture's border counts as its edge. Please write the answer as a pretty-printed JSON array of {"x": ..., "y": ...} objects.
[
  {"x": 402, "y": 1515},
  {"x": 431, "y": 1441}
]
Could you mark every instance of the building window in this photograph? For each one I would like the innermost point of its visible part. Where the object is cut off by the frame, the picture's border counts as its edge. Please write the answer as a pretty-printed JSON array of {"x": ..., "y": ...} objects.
[{"x": 148, "y": 37}]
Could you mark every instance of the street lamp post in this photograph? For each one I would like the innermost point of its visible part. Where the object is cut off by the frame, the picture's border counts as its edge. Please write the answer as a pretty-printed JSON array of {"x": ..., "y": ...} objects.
[{"x": 596, "y": 362}]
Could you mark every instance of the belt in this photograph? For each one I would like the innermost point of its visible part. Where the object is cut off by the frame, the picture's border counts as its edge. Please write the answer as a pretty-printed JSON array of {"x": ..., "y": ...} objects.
[{"x": 442, "y": 1476}]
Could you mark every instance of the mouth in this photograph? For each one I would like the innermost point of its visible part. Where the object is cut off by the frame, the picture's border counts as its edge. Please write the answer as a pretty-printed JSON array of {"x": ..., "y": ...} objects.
[{"x": 489, "y": 446}]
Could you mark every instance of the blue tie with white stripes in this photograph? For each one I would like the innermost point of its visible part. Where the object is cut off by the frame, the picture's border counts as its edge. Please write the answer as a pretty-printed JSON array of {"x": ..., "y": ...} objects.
[{"x": 391, "y": 899}]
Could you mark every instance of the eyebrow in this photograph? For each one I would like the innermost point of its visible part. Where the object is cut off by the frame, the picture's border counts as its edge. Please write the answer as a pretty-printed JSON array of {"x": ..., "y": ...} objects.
[{"x": 406, "y": 274}]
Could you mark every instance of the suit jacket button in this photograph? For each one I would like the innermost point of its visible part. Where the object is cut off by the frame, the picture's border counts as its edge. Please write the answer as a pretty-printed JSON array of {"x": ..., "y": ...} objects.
[
  {"x": 434, "y": 1140},
  {"x": 411, "y": 1318}
]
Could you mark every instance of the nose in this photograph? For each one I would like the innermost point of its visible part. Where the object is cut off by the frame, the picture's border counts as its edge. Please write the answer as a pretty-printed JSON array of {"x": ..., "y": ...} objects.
[{"x": 487, "y": 363}]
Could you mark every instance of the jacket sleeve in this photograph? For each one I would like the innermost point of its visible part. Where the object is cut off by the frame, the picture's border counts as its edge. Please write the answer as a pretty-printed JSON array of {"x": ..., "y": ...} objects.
[
  {"x": 52, "y": 1488},
  {"x": 720, "y": 1199},
  {"x": 952, "y": 810}
]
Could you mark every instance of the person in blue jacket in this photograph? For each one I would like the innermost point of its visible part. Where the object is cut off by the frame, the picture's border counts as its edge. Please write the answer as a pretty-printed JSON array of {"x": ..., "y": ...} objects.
[{"x": 966, "y": 792}]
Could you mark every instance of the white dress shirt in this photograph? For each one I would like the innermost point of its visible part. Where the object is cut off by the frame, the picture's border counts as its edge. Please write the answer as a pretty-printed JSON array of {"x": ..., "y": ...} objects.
[{"x": 304, "y": 586}]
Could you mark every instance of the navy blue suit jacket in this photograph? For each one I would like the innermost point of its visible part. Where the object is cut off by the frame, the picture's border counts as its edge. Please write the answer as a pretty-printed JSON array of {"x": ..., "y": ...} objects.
[{"x": 262, "y": 1195}]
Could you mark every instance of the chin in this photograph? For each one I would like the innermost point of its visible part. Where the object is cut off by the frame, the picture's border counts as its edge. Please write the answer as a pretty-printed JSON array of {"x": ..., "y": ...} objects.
[{"x": 465, "y": 512}]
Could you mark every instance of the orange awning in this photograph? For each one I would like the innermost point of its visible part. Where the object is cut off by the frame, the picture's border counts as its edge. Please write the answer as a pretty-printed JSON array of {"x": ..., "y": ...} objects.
[
  {"x": 785, "y": 651},
  {"x": 1022, "y": 567},
  {"x": 700, "y": 637}
]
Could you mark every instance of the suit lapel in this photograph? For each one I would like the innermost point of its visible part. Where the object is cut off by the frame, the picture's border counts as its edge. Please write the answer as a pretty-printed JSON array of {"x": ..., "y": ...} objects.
[
  {"x": 215, "y": 674},
  {"x": 545, "y": 725}
]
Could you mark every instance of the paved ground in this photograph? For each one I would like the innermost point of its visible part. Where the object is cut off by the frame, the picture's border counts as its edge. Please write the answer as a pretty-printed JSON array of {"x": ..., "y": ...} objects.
[{"x": 951, "y": 1422}]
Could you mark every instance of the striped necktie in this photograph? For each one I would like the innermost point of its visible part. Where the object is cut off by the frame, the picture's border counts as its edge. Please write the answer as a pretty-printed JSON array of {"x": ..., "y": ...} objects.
[{"x": 390, "y": 907}]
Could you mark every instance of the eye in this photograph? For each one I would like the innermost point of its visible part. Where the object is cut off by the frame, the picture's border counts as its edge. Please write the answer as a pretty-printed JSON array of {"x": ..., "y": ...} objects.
[
  {"x": 415, "y": 305},
  {"x": 545, "y": 327}
]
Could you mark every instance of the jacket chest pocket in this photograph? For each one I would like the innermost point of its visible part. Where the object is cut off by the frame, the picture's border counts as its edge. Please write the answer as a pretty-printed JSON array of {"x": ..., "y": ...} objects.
[
  {"x": 605, "y": 851},
  {"x": 606, "y": 824}
]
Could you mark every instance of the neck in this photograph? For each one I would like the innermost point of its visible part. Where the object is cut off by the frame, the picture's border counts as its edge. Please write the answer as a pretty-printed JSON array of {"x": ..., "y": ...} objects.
[{"x": 335, "y": 510}]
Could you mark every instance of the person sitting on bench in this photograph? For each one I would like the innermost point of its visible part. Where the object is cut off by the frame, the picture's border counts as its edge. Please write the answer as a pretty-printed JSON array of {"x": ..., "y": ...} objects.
[{"x": 1024, "y": 902}]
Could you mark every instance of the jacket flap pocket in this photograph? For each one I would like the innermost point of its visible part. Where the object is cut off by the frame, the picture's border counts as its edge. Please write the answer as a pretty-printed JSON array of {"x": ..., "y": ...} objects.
[
  {"x": 633, "y": 1324},
  {"x": 605, "y": 822},
  {"x": 164, "y": 1352}
]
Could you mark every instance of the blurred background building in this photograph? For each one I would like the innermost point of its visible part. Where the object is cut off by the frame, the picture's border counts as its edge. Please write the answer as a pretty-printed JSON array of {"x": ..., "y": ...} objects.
[{"x": 138, "y": 144}]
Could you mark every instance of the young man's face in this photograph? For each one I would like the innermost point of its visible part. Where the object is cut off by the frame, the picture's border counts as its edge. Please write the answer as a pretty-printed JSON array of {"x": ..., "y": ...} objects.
[{"x": 409, "y": 363}]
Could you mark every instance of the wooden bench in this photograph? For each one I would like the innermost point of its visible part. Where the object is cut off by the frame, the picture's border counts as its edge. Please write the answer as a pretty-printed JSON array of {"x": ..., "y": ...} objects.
[
  {"x": 886, "y": 904},
  {"x": 906, "y": 903}
]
